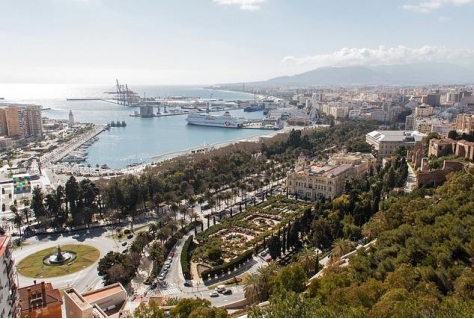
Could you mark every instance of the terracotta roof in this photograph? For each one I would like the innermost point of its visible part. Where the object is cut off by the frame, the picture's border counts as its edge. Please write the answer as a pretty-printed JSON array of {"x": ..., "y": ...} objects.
[{"x": 52, "y": 296}]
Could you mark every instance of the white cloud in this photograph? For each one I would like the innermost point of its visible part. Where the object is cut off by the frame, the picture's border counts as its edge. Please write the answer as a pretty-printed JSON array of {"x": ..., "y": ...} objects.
[
  {"x": 430, "y": 5},
  {"x": 249, "y": 5},
  {"x": 444, "y": 19},
  {"x": 383, "y": 56}
]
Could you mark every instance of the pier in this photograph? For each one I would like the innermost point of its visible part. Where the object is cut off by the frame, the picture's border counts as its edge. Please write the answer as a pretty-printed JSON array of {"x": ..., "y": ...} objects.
[
  {"x": 85, "y": 99},
  {"x": 66, "y": 149}
]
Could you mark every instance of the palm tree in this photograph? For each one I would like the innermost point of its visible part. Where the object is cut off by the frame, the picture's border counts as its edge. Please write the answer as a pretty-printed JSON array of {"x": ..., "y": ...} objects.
[
  {"x": 26, "y": 212},
  {"x": 252, "y": 288},
  {"x": 340, "y": 247},
  {"x": 266, "y": 273},
  {"x": 194, "y": 216},
  {"x": 308, "y": 259},
  {"x": 174, "y": 208},
  {"x": 153, "y": 229},
  {"x": 183, "y": 211},
  {"x": 18, "y": 221},
  {"x": 156, "y": 255},
  {"x": 163, "y": 234},
  {"x": 182, "y": 222}
]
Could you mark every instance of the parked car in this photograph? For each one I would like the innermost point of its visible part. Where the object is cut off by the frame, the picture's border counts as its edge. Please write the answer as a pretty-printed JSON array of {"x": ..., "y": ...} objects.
[
  {"x": 161, "y": 277},
  {"x": 220, "y": 288},
  {"x": 214, "y": 294},
  {"x": 130, "y": 236},
  {"x": 124, "y": 243},
  {"x": 227, "y": 292},
  {"x": 188, "y": 284},
  {"x": 153, "y": 285}
]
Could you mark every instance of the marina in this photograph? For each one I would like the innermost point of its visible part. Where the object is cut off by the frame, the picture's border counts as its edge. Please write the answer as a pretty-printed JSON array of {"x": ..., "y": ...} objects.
[{"x": 143, "y": 138}]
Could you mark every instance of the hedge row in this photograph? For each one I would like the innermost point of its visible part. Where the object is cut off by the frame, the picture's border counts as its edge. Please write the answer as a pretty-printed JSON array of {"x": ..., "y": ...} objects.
[
  {"x": 185, "y": 260},
  {"x": 224, "y": 268}
]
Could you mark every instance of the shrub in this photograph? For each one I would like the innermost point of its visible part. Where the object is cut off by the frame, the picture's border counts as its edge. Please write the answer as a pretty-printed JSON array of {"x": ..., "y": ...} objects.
[
  {"x": 224, "y": 268},
  {"x": 185, "y": 258}
]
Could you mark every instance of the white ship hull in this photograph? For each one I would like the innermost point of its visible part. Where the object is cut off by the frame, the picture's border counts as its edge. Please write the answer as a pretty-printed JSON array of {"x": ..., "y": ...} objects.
[{"x": 225, "y": 121}]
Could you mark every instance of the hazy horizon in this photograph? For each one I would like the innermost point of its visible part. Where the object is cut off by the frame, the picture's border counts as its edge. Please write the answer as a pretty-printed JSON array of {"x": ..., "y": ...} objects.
[{"x": 208, "y": 42}]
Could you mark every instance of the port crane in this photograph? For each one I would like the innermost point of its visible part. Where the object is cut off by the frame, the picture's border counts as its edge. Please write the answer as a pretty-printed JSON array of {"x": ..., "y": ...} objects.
[{"x": 123, "y": 95}]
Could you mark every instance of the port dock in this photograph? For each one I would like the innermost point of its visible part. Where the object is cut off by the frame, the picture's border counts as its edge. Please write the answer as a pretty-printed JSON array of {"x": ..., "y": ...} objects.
[
  {"x": 265, "y": 124},
  {"x": 66, "y": 149},
  {"x": 86, "y": 99}
]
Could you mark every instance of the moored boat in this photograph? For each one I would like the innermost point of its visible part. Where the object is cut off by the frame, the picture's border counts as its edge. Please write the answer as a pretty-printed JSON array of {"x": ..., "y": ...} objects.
[{"x": 226, "y": 120}]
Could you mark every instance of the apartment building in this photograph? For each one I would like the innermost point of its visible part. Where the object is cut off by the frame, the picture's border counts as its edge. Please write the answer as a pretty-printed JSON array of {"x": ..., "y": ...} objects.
[
  {"x": 33, "y": 120},
  {"x": 423, "y": 111},
  {"x": 387, "y": 142},
  {"x": 8, "y": 283},
  {"x": 105, "y": 302},
  {"x": 313, "y": 180},
  {"x": 465, "y": 123},
  {"x": 21, "y": 120},
  {"x": 40, "y": 301}
]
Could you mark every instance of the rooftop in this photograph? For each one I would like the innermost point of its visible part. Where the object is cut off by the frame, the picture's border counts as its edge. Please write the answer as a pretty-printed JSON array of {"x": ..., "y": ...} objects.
[
  {"x": 38, "y": 295},
  {"x": 77, "y": 298},
  {"x": 396, "y": 136},
  {"x": 101, "y": 293}
]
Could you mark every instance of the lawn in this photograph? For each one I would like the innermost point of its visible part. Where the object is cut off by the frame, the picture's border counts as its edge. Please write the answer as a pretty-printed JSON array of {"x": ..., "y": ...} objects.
[{"x": 32, "y": 266}]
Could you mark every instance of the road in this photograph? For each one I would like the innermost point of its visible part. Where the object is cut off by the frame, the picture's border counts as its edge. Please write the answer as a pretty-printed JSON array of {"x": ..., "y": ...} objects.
[
  {"x": 100, "y": 238},
  {"x": 83, "y": 280},
  {"x": 175, "y": 280}
]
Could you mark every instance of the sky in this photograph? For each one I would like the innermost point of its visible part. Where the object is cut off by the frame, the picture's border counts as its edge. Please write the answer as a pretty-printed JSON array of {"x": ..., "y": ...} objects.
[{"x": 172, "y": 42}]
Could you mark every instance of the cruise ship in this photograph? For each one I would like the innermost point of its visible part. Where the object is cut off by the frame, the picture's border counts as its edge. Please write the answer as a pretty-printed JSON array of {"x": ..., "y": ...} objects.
[{"x": 226, "y": 120}]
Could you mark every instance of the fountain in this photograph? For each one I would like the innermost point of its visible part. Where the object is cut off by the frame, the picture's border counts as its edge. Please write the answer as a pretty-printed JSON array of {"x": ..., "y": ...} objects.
[{"x": 59, "y": 258}]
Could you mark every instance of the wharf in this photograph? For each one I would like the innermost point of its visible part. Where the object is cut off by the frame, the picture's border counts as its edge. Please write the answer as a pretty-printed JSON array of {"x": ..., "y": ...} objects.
[
  {"x": 64, "y": 150},
  {"x": 86, "y": 99},
  {"x": 262, "y": 125},
  {"x": 159, "y": 115}
]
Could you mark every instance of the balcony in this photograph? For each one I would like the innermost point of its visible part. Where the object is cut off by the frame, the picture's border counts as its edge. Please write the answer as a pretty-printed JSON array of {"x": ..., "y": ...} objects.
[
  {"x": 10, "y": 266},
  {"x": 13, "y": 294}
]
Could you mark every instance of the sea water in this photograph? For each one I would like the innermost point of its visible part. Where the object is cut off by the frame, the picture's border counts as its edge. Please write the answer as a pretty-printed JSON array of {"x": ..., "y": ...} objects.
[{"x": 143, "y": 138}]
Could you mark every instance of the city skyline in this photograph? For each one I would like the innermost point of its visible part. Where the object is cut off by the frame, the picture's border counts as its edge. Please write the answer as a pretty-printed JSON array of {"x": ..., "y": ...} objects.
[{"x": 221, "y": 41}]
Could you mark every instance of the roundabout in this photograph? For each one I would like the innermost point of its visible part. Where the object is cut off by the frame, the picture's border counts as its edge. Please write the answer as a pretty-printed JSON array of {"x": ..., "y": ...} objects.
[{"x": 58, "y": 261}]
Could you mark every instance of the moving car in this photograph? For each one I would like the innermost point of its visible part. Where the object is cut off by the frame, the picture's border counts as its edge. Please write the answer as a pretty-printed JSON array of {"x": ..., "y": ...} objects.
[
  {"x": 214, "y": 294},
  {"x": 188, "y": 284}
]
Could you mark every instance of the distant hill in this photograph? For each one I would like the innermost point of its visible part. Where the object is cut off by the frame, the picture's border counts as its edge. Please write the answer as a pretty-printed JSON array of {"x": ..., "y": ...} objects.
[{"x": 398, "y": 74}]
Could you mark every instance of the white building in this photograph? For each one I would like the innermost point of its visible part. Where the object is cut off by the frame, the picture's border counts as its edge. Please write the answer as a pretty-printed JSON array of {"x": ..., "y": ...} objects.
[
  {"x": 8, "y": 289},
  {"x": 387, "y": 142}
]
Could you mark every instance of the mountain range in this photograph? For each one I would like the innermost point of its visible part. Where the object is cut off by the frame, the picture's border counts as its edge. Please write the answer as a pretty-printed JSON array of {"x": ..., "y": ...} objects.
[{"x": 397, "y": 74}]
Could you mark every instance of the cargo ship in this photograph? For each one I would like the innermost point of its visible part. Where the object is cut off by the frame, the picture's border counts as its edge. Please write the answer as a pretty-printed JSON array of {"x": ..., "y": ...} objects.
[{"x": 226, "y": 120}]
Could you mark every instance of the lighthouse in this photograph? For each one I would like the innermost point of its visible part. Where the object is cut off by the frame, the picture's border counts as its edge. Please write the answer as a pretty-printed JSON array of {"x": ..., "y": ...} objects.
[{"x": 71, "y": 119}]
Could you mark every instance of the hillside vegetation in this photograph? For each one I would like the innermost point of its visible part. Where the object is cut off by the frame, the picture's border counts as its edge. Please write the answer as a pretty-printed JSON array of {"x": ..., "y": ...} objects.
[{"x": 420, "y": 265}]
